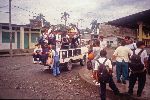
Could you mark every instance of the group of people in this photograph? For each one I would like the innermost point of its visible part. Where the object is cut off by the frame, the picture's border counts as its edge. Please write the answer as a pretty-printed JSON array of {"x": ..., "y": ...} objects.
[
  {"x": 126, "y": 68},
  {"x": 48, "y": 46},
  {"x": 47, "y": 55},
  {"x": 60, "y": 39}
]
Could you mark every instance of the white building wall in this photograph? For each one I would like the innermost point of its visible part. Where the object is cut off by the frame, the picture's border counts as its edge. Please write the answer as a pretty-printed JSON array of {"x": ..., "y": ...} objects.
[
  {"x": 0, "y": 36},
  {"x": 7, "y": 45},
  {"x": 113, "y": 39},
  {"x": 4, "y": 46}
]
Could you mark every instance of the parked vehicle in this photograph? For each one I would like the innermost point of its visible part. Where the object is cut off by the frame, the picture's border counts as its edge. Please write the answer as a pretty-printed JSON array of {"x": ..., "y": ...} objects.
[{"x": 73, "y": 55}]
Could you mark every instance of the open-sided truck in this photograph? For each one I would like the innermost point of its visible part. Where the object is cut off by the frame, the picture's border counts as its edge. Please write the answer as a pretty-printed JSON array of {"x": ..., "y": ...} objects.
[{"x": 73, "y": 55}]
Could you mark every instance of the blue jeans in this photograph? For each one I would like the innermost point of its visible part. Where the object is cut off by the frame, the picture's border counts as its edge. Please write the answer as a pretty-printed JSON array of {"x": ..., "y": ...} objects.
[
  {"x": 44, "y": 58},
  {"x": 122, "y": 69},
  {"x": 56, "y": 70}
]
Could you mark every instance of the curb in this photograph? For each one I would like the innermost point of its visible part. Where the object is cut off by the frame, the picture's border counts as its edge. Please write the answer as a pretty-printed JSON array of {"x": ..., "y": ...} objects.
[
  {"x": 82, "y": 72},
  {"x": 83, "y": 78},
  {"x": 15, "y": 55}
]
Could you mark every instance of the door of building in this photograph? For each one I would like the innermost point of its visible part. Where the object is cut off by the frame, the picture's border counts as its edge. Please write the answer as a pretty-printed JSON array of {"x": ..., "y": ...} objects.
[
  {"x": 26, "y": 41},
  {"x": 18, "y": 40}
]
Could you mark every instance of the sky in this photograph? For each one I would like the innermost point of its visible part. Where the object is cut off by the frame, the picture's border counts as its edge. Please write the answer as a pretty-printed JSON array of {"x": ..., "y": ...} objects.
[{"x": 88, "y": 10}]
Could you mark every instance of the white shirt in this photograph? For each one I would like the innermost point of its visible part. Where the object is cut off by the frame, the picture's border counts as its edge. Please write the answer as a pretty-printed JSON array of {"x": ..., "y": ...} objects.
[
  {"x": 37, "y": 49},
  {"x": 143, "y": 54},
  {"x": 122, "y": 53},
  {"x": 103, "y": 44},
  {"x": 58, "y": 37},
  {"x": 67, "y": 36},
  {"x": 132, "y": 46},
  {"x": 51, "y": 35},
  {"x": 96, "y": 51},
  {"x": 101, "y": 60}
]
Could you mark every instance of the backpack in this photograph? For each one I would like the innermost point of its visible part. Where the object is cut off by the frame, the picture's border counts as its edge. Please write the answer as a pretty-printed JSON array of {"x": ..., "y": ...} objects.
[
  {"x": 136, "y": 65},
  {"x": 103, "y": 73}
]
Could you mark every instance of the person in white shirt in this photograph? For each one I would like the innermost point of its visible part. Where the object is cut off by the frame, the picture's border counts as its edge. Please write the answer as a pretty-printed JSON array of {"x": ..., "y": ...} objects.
[
  {"x": 103, "y": 44},
  {"x": 108, "y": 64},
  {"x": 121, "y": 55},
  {"x": 96, "y": 51},
  {"x": 140, "y": 76},
  {"x": 130, "y": 44},
  {"x": 37, "y": 54}
]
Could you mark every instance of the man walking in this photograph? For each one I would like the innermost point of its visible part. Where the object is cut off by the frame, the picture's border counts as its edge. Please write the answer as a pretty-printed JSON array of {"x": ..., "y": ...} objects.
[
  {"x": 139, "y": 75},
  {"x": 122, "y": 58},
  {"x": 108, "y": 65}
]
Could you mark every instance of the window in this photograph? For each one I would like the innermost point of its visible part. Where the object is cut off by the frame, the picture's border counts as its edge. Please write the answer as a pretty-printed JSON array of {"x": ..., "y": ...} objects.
[
  {"x": 34, "y": 37},
  {"x": 111, "y": 41},
  {"x": 6, "y": 37}
]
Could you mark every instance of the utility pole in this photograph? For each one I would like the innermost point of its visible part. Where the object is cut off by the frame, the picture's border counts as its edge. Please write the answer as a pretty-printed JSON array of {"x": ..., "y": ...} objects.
[{"x": 10, "y": 28}]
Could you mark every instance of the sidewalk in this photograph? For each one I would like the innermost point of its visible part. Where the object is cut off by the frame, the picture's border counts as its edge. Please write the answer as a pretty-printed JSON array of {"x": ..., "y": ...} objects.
[
  {"x": 16, "y": 52},
  {"x": 85, "y": 75},
  {"x": 21, "y": 54}
]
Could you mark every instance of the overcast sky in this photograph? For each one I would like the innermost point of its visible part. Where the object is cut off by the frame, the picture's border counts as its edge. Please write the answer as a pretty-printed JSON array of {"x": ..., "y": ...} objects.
[{"x": 102, "y": 10}]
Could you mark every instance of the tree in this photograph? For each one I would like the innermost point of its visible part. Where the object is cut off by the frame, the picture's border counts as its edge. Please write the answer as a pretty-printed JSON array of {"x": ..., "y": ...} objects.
[{"x": 65, "y": 17}]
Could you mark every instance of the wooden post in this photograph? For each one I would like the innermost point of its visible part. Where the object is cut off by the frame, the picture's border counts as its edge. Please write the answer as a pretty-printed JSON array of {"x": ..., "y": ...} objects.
[{"x": 140, "y": 30}]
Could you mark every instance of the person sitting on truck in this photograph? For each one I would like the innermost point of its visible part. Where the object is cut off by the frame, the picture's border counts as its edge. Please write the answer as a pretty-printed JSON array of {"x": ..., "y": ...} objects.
[
  {"x": 37, "y": 54},
  {"x": 75, "y": 41},
  {"x": 45, "y": 50},
  {"x": 52, "y": 38},
  {"x": 65, "y": 43}
]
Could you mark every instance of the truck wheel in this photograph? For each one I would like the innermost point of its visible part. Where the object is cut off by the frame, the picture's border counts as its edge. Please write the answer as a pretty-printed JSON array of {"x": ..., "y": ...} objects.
[
  {"x": 69, "y": 65},
  {"x": 83, "y": 61}
]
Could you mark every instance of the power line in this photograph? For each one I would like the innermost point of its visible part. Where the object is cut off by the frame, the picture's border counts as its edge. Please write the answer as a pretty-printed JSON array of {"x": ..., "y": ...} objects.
[
  {"x": 3, "y": 12},
  {"x": 25, "y": 10},
  {"x": 4, "y": 6}
]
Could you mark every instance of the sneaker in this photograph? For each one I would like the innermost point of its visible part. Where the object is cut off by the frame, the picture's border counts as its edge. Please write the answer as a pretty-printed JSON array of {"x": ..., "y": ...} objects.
[
  {"x": 40, "y": 62},
  {"x": 118, "y": 81},
  {"x": 97, "y": 84},
  {"x": 124, "y": 82},
  {"x": 94, "y": 81},
  {"x": 34, "y": 62}
]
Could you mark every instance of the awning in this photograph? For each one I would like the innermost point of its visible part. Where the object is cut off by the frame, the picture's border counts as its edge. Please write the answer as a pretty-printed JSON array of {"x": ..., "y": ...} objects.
[{"x": 132, "y": 20}]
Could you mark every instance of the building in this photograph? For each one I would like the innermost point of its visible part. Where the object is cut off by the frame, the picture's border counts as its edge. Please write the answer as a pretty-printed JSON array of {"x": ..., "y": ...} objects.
[
  {"x": 139, "y": 22},
  {"x": 109, "y": 30},
  {"x": 23, "y": 36},
  {"x": 112, "y": 41}
]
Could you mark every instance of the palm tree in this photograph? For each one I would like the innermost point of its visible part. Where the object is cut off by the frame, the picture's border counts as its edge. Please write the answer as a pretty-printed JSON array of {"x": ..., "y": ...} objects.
[{"x": 65, "y": 17}]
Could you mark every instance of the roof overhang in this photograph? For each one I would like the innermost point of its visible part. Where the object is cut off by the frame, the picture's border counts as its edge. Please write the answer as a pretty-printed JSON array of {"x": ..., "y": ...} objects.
[{"x": 131, "y": 21}]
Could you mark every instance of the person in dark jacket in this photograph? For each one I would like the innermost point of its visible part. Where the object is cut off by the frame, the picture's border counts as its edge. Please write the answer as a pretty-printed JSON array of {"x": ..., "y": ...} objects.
[{"x": 141, "y": 75}]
